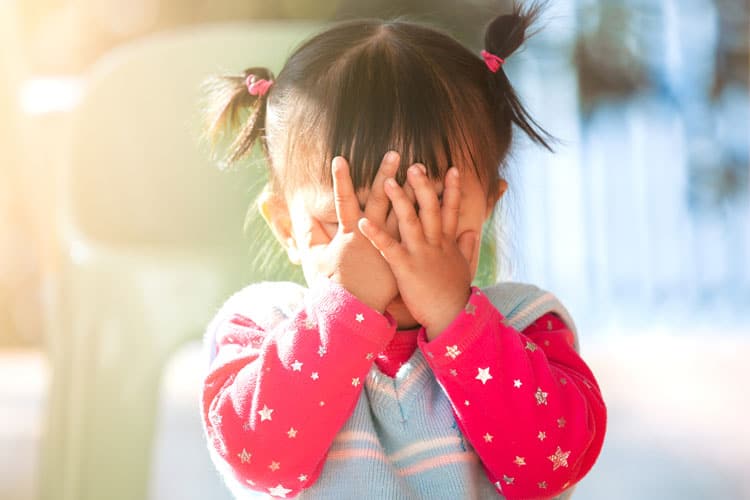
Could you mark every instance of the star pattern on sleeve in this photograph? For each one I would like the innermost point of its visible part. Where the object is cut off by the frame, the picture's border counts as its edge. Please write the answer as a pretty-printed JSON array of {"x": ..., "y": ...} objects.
[
  {"x": 359, "y": 318},
  {"x": 483, "y": 375},
  {"x": 519, "y": 461},
  {"x": 279, "y": 491},
  {"x": 541, "y": 396},
  {"x": 559, "y": 459},
  {"x": 292, "y": 433},
  {"x": 265, "y": 413},
  {"x": 452, "y": 351},
  {"x": 297, "y": 366},
  {"x": 244, "y": 456},
  {"x": 517, "y": 383}
]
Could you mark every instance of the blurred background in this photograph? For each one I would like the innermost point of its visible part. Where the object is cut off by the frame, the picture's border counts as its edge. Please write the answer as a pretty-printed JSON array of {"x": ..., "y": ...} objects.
[{"x": 119, "y": 238}]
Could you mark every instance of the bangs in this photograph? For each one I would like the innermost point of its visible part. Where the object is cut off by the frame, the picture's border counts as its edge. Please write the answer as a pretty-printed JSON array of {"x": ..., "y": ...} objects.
[{"x": 376, "y": 97}]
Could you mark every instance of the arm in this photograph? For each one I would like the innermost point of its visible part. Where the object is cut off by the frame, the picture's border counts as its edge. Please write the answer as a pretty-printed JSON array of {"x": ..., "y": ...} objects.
[
  {"x": 526, "y": 401},
  {"x": 274, "y": 399}
]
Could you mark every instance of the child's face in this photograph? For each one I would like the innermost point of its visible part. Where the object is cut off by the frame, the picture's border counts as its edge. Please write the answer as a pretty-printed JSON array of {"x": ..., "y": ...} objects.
[{"x": 313, "y": 224}]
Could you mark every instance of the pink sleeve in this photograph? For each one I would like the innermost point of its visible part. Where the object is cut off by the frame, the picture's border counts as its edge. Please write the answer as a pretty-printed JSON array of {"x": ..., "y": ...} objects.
[
  {"x": 274, "y": 400},
  {"x": 527, "y": 402}
]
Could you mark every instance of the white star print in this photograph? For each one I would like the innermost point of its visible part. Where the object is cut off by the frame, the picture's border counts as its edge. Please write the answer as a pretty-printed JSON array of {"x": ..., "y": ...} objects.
[
  {"x": 519, "y": 461},
  {"x": 483, "y": 375},
  {"x": 470, "y": 309},
  {"x": 265, "y": 413},
  {"x": 314, "y": 376},
  {"x": 369, "y": 356},
  {"x": 561, "y": 422},
  {"x": 302, "y": 477},
  {"x": 488, "y": 438},
  {"x": 321, "y": 351},
  {"x": 541, "y": 436},
  {"x": 355, "y": 381},
  {"x": 452, "y": 351},
  {"x": 360, "y": 317},
  {"x": 309, "y": 323},
  {"x": 292, "y": 433},
  {"x": 297, "y": 366},
  {"x": 453, "y": 372},
  {"x": 517, "y": 383},
  {"x": 508, "y": 480},
  {"x": 279, "y": 491},
  {"x": 467, "y": 402},
  {"x": 274, "y": 466},
  {"x": 322, "y": 403}
]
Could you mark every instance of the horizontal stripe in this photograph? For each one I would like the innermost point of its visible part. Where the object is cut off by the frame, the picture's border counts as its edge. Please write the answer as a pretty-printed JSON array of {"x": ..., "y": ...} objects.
[
  {"x": 356, "y": 453},
  {"x": 422, "y": 446},
  {"x": 441, "y": 461},
  {"x": 376, "y": 384},
  {"x": 349, "y": 436}
]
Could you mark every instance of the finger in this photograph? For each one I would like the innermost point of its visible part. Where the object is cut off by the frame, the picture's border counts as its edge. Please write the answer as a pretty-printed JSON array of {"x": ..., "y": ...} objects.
[
  {"x": 347, "y": 204},
  {"x": 409, "y": 225},
  {"x": 467, "y": 245},
  {"x": 451, "y": 202},
  {"x": 388, "y": 247},
  {"x": 409, "y": 191},
  {"x": 429, "y": 206},
  {"x": 378, "y": 202}
]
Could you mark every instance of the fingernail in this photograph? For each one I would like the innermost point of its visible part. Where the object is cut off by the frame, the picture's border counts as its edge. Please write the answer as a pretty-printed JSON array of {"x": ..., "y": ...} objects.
[
  {"x": 414, "y": 169},
  {"x": 391, "y": 156}
]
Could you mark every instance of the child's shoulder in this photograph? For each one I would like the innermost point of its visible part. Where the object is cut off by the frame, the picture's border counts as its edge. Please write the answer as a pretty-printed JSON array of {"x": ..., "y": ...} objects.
[
  {"x": 524, "y": 303},
  {"x": 265, "y": 302}
]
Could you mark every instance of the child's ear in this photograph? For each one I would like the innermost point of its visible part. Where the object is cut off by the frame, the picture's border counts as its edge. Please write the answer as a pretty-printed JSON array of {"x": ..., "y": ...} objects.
[
  {"x": 275, "y": 212},
  {"x": 495, "y": 196}
]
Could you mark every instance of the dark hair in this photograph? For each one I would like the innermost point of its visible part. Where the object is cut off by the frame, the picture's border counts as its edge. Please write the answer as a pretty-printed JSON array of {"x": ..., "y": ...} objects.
[{"x": 365, "y": 86}]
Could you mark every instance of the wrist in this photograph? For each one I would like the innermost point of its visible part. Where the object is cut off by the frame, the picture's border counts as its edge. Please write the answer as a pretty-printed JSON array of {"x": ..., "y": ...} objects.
[{"x": 446, "y": 314}]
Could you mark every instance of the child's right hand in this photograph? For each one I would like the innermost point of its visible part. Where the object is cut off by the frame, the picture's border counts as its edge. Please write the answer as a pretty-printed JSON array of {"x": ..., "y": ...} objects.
[{"x": 350, "y": 259}]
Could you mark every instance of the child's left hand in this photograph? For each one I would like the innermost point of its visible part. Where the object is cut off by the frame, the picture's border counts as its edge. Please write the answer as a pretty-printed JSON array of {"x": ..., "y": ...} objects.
[{"x": 432, "y": 268}]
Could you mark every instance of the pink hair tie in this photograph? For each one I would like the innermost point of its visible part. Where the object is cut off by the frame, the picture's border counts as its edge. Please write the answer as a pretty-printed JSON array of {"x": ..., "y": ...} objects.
[
  {"x": 257, "y": 87},
  {"x": 492, "y": 61}
]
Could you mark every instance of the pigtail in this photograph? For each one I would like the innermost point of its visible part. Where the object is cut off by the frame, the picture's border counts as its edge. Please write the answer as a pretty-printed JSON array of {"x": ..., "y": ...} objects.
[
  {"x": 502, "y": 37},
  {"x": 234, "y": 113}
]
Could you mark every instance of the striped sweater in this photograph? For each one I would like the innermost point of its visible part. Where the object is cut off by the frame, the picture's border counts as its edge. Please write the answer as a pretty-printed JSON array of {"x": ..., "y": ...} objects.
[{"x": 312, "y": 394}]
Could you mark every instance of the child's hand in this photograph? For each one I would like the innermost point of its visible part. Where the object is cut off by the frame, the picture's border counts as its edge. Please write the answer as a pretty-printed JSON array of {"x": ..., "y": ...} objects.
[
  {"x": 352, "y": 260},
  {"x": 431, "y": 267}
]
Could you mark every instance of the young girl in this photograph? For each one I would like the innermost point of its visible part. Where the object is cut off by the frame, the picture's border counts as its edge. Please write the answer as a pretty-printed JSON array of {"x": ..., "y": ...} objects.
[{"x": 390, "y": 376}]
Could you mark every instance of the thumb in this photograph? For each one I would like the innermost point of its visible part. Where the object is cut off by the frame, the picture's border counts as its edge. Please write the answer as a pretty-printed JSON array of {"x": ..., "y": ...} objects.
[{"x": 467, "y": 244}]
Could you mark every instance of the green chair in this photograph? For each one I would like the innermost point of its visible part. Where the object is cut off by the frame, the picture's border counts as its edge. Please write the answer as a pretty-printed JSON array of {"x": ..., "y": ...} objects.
[{"x": 151, "y": 242}]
